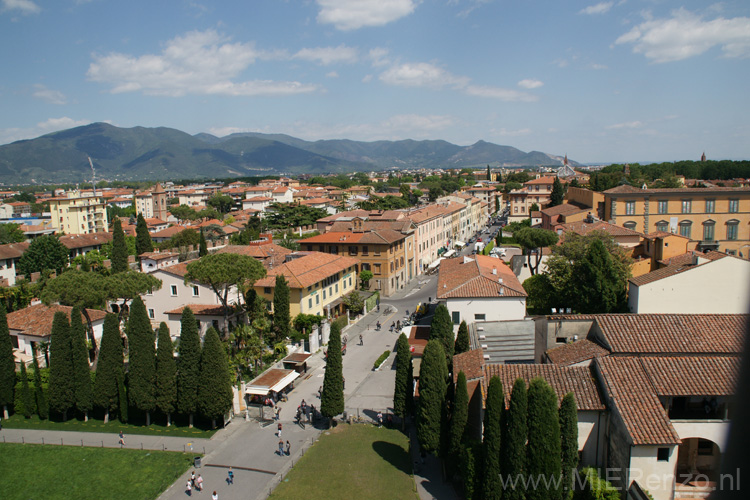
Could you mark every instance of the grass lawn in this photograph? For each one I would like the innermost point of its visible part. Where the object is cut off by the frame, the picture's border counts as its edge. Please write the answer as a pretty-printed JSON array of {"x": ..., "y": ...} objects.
[
  {"x": 50, "y": 472},
  {"x": 352, "y": 461},
  {"x": 178, "y": 428}
]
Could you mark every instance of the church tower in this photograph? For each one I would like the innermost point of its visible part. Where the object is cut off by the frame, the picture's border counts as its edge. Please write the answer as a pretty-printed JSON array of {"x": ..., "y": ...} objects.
[{"x": 159, "y": 199}]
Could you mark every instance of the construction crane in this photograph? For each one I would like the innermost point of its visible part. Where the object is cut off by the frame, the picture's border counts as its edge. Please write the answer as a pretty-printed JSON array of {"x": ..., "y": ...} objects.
[{"x": 93, "y": 175}]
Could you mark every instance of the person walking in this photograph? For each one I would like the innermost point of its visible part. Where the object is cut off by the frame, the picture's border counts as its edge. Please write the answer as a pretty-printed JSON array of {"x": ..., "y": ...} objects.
[
  {"x": 281, "y": 447},
  {"x": 189, "y": 488},
  {"x": 320, "y": 392},
  {"x": 199, "y": 483},
  {"x": 121, "y": 441},
  {"x": 278, "y": 429},
  {"x": 192, "y": 478},
  {"x": 361, "y": 342},
  {"x": 288, "y": 448},
  {"x": 230, "y": 476},
  {"x": 214, "y": 496}
]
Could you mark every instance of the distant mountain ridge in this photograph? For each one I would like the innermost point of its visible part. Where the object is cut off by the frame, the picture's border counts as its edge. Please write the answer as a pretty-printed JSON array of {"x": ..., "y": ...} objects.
[{"x": 162, "y": 153}]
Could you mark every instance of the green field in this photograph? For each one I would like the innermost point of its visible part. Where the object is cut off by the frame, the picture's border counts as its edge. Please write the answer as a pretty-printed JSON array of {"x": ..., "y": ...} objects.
[
  {"x": 352, "y": 461},
  {"x": 66, "y": 472}
]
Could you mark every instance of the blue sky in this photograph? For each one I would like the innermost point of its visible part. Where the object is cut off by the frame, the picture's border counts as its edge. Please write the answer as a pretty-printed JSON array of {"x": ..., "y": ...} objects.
[{"x": 618, "y": 80}]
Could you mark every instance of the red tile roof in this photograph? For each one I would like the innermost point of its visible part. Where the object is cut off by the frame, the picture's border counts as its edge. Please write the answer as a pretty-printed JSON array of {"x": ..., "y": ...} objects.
[
  {"x": 692, "y": 375},
  {"x": 200, "y": 309},
  {"x": 73, "y": 241},
  {"x": 575, "y": 352},
  {"x": 471, "y": 363},
  {"x": 473, "y": 277},
  {"x": 37, "y": 320},
  {"x": 583, "y": 228},
  {"x": 307, "y": 269},
  {"x": 13, "y": 250},
  {"x": 677, "y": 265}
]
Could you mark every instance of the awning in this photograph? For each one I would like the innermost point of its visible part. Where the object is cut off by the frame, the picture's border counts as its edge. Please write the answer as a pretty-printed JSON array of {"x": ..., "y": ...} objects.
[
  {"x": 435, "y": 263},
  {"x": 274, "y": 380},
  {"x": 449, "y": 253},
  {"x": 460, "y": 244}
]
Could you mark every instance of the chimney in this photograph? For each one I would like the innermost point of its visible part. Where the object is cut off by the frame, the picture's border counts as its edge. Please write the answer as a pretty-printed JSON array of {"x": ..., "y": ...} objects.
[
  {"x": 494, "y": 271},
  {"x": 500, "y": 280}
]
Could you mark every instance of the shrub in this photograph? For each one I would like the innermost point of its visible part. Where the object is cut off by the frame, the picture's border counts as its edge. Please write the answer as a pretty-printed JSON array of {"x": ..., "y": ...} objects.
[
  {"x": 381, "y": 359},
  {"x": 592, "y": 487}
]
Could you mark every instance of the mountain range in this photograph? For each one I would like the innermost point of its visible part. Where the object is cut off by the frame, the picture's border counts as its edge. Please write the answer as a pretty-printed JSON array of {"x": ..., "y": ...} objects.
[{"x": 162, "y": 153}]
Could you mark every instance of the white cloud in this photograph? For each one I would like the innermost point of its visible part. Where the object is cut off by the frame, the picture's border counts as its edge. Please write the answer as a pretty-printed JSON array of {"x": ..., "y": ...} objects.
[
  {"x": 421, "y": 75},
  {"x": 348, "y": 15},
  {"x": 195, "y": 63},
  {"x": 49, "y": 95},
  {"x": 686, "y": 35},
  {"x": 379, "y": 57},
  {"x": 25, "y": 6},
  {"x": 597, "y": 66},
  {"x": 328, "y": 55},
  {"x": 393, "y": 128},
  {"x": 500, "y": 93},
  {"x": 9, "y": 135},
  {"x": 332, "y": 74},
  {"x": 625, "y": 125},
  {"x": 530, "y": 83},
  {"x": 600, "y": 8},
  {"x": 503, "y": 132}
]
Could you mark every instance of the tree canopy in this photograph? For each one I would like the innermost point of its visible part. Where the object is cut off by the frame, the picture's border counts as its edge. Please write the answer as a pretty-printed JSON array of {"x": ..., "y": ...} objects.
[
  {"x": 433, "y": 384},
  {"x": 286, "y": 215},
  {"x": 214, "y": 383},
  {"x": 332, "y": 396},
  {"x": 61, "y": 380},
  {"x": 141, "y": 360},
  {"x": 119, "y": 255},
  {"x": 532, "y": 240},
  {"x": 143, "y": 242},
  {"x": 44, "y": 253},
  {"x": 188, "y": 372},
  {"x": 11, "y": 233},
  {"x": 281, "y": 318},
  {"x": 109, "y": 368},
  {"x": 7, "y": 364},
  {"x": 84, "y": 397},
  {"x": 166, "y": 373}
]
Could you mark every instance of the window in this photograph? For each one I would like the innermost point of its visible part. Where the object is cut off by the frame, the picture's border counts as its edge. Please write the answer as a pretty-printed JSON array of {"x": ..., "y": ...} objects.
[
  {"x": 708, "y": 231},
  {"x": 196, "y": 291},
  {"x": 479, "y": 317},
  {"x": 663, "y": 206},
  {"x": 364, "y": 250},
  {"x": 456, "y": 315},
  {"x": 337, "y": 288},
  {"x": 173, "y": 290},
  {"x": 267, "y": 289},
  {"x": 685, "y": 228},
  {"x": 705, "y": 447},
  {"x": 376, "y": 268},
  {"x": 710, "y": 206},
  {"x": 629, "y": 208},
  {"x": 686, "y": 206},
  {"x": 662, "y": 454},
  {"x": 151, "y": 314},
  {"x": 662, "y": 225},
  {"x": 324, "y": 295},
  {"x": 629, "y": 225},
  {"x": 561, "y": 340},
  {"x": 317, "y": 299},
  {"x": 734, "y": 206},
  {"x": 352, "y": 250},
  {"x": 732, "y": 226},
  {"x": 309, "y": 303}
]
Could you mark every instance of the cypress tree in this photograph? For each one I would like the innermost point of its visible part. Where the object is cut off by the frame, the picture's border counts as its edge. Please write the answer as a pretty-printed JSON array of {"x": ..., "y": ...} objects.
[
  {"x": 141, "y": 360},
  {"x": 166, "y": 374},
  {"x": 202, "y": 246},
  {"x": 442, "y": 328},
  {"x": 569, "y": 442},
  {"x": 119, "y": 257},
  {"x": 188, "y": 365},
  {"x": 215, "y": 385},
  {"x": 281, "y": 317},
  {"x": 462, "y": 339},
  {"x": 557, "y": 195},
  {"x": 492, "y": 439},
  {"x": 513, "y": 461},
  {"x": 26, "y": 396},
  {"x": 7, "y": 364},
  {"x": 403, "y": 382},
  {"x": 61, "y": 385},
  {"x": 143, "y": 241},
  {"x": 84, "y": 396},
  {"x": 122, "y": 397},
  {"x": 459, "y": 418},
  {"x": 109, "y": 367},
  {"x": 471, "y": 466},
  {"x": 332, "y": 397},
  {"x": 433, "y": 376},
  {"x": 543, "y": 455},
  {"x": 42, "y": 408}
]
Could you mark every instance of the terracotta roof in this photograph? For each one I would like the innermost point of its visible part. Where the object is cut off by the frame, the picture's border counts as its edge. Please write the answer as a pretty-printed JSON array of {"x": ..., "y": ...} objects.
[
  {"x": 419, "y": 335},
  {"x": 679, "y": 264},
  {"x": 179, "y": 269},
  {"x": 583, "y": 228},
  {"x": 541, "y": 180},
  {"x": 627, "y": 384},
  {"x": 564, "y": 209},
  {"x": 13, "y": 250},
  {"x": 258, "y": 199},
  {"x": 631, "y": 189},
  {"x": 37, "y": 320},
  {"x": 563, "y": 379},
  {"x": 470, "y": 362},
  {"x": 474, "y": 277},
  {"x": 663, "y": 234},
  {"x": 169, "y": 232},
  {"x": 575, "y": 352},
  {"x": 307, "y": 269},
  {"x": 342, "y": 237},
  {"x": 688, "y": 258},
  {"x": 623, "y": 188},
  {"x": 201, "y": 309},
  {"x": 72, "y": 241},
  {"x": 270, "y": 377},
  {"x": 158, "y": 255},
  {"x": 271, "y": 254},
  {"x": 692, "y": 375}
]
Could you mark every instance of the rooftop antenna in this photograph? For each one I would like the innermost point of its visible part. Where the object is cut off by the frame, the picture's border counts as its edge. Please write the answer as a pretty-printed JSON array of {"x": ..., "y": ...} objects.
[{"x": 93, "y": 175}]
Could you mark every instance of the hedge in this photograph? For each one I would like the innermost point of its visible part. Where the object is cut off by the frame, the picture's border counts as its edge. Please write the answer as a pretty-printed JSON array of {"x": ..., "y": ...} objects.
[
  {"x": 488, "y": 247},
  {"x": 591, "y": 487},
  {"x": 381, "y": 359}
]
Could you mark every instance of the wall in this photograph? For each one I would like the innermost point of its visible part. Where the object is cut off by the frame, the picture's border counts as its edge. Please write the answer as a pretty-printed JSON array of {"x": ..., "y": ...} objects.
[
  {"x": 494, "y": 309},
  {"x": 591, "y": 437},
  {"x": 549, "y": 330},
  {"x": 654, "y": 476}
]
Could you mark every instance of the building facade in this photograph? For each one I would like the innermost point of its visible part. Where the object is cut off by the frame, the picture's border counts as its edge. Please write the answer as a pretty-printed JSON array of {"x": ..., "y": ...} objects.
[{"x": 75, "y": 213}]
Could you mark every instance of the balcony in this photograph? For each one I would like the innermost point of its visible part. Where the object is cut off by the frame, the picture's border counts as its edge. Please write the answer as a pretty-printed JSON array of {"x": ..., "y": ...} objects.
[{"x": 706, "y": 245}]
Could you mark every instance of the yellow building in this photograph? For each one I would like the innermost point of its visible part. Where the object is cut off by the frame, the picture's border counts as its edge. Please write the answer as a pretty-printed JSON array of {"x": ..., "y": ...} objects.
[
  {"x": 75, "y": 213},
  {"x": 317, "y": 282},
  {"x": 712, "y": 218}
]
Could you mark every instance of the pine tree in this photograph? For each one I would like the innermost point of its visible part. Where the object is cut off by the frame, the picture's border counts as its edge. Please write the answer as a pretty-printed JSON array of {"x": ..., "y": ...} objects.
[
  {"x": 491, "y": 440},
  {"x": 215, "y": 385},
  {"x": 569, "y": 442},
  {"x": 42, "y": 408},
  {"x": 459, "y": 418},
  {"x": 513, "y": 460},
  {"x": 543, "y": 455},
  {"x": 188, "y": 365},
  {"x": 84, "y": 396},
  {"x": 143, "y": 241},
  {"x": 202, "y": 246},
  {"x": 433, "y": 377},
  {"x": 109, "y": 367},
  {"x": 7, "y": 364},
  {"x": 141, "y": 360},
  {"x": 166, "y": 374},
  {"x": 119, "y": 256},
  {"x": 442, "y": 328},
  {"x": 61, "y": 385},
  {"x": 462, "y": 339},
  {"x": 26, "y": 396},
  {"x": 403, "y": 383},
  {"x": 281, "y": 317},
  {"x": 332, "y": 397},
  {"x": 557, "y": 195}
]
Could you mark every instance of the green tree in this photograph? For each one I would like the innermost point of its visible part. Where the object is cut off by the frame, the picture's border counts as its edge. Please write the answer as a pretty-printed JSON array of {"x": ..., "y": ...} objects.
[
  {"x": 84, "y": 396},
  {"x": 354, "y": 302},
  {"x": 122, "y": 397},
  {"x": 513, "y": 460},
  {"x": 26, "y": 396},
  {"x": 7, "y": 364},
  {"x": 557, "y": 194},
  {"x": 543, "y": 454},
  {"x": 282, "y": 324},
  {"x": 459, "y": 418},
  {"x": 61, "y": 379},
  {"x": 598, "y": 286},
  {"x": 141, "y": 360},
  {"x": 491, "y": 441},
  {"x": 11, "y": 233},
  {"x": 442, "y": 329},
  {"x": 42, "y": 407},
  {"x": 541, "y": 297},
  {"x": 214, "y": 385},
  {"x": 471, "y": 466},
  {"x": 569, "y": 442},
  {"x": 223, "y": 272},
  {"x": 462, "y": 339},
  {"x": 166, "y": 374},
  {"x": 44, "y": 253},
  {"x": 186, "y": 238},
  {"x": 109, "y": 367},
  {"x": 433, "y": 377},
  {"x": 188, "y": 367},
  {"x": 222, "y": 203},
  {"x": 332, "y": 397},
  {"x": 119, "y": 257},
  {"x": 404, "y": 385},
  {"x": 364, "y": 279},
  {"x": 143, "y": 243},
  {"x": 127, "y": 286},
  {"x": 202, "y": 246},
  {"x": 532, "y": 240},
  {"x": 183, "y": 213}
]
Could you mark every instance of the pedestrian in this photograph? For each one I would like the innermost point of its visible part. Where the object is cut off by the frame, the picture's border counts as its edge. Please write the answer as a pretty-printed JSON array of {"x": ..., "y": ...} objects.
[
  {"x": 281, "y": 447},
  {"x": 288, "y": 449},
  {"x": 199, "y": 483},
  {"x": 278, "y": 427},
  {"x": 361, "y": 342},
  {"x": 343, "y": 382},
  {"x": 214, "y": 496},
  {"x": 121, "y": 442},
  {"x": 192, "y": 478},
  {"x": 320, "y": 392},
  {"x": 380, "y": 419},
  {"x": 230, "y": 476},
  {"x": 189, "y": 488},
  {"x": 277, "y": 414}
]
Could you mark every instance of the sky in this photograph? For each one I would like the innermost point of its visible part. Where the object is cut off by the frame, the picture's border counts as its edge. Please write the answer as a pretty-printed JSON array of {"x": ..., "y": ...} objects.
[{"x": 610, "y": 81}]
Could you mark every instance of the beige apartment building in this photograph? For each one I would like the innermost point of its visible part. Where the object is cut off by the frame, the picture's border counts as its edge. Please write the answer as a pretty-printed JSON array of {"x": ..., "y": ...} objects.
[
  {"x": 75, "y": 213},
  {"x": 152, "y": 204}
]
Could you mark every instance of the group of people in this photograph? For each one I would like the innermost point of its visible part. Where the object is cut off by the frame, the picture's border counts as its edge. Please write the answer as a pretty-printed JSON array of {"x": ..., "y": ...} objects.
[
  {"x": 306, "y": 411},
  {"x": 194, "y": 482},
  {"x": 284, "y": 451}
]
